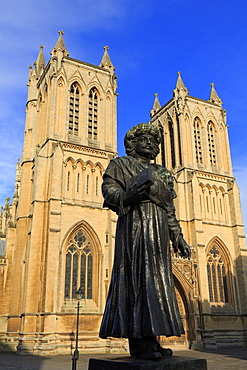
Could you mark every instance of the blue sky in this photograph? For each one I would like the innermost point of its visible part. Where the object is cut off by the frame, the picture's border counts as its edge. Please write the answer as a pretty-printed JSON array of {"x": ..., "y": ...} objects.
[{"x": 149, "y": 41}]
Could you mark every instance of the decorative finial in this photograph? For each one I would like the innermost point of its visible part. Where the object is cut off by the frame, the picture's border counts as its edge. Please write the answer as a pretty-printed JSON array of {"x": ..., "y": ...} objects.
[
  {"x": 41, "y": 47},
  {"x": 106, "y": 48},
  {"x": 155, "y": 94},
  {"x": 61, "y": 33},
  {"x": 212, "y": 84},
  {"x": 179, "y": 73}
]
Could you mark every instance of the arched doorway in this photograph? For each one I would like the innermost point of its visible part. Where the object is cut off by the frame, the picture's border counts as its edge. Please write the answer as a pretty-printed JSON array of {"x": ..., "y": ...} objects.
[{"x": 184, "y": 340}]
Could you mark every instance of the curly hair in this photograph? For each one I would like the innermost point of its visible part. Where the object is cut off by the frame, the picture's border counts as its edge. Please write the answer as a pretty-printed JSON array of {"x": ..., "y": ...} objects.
[{"x": 132, "y": 135}]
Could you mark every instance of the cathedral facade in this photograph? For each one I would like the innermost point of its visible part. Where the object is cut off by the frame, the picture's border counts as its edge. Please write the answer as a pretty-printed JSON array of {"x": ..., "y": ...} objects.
[{"x": 57, "y": 237}]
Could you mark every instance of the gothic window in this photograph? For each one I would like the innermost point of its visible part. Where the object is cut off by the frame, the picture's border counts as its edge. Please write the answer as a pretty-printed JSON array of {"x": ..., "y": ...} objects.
[
  {"x": 198, "y": 140},
  {"x": 218, "y": 279},
  {"x": 93, "y": 114},
  {"x": 79, "y": 266},
  {"x": 74, "y": 101},
  {"x": 211, "y": 144},
  {"x": 179, "y": 141},
  {"x": 172, "y": 144}
]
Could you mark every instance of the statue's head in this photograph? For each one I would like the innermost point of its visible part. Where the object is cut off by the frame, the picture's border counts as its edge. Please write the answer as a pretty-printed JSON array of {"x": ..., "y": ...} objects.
[{"x": 141, "y": 136}]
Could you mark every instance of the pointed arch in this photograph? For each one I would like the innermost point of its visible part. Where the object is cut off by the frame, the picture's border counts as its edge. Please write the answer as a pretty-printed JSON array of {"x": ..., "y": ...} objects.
[
  {"x": 184, "y": 292},
  {"x": 219, "y": 272},
  {"x": 202, "y": 199},
  {"x": 82, "y": 252},
  {"x": 69, "y": 177},
  {"x": 69, "y": 159},
  {"x": 89, "y": 167},
  {"x": 100, "y": 166},
  {"x": 89, "y": 163},
  {"x": 79, "y": 164},
  {"x": 97, "y": 180}
]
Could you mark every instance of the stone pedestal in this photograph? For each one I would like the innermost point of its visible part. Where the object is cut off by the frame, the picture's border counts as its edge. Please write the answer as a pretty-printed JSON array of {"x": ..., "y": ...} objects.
[{"x": 130, "y": 363}]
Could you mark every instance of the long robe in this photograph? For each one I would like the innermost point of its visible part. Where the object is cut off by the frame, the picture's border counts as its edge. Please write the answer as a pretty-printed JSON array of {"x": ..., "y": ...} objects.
[{"x": 141, "y": 300}]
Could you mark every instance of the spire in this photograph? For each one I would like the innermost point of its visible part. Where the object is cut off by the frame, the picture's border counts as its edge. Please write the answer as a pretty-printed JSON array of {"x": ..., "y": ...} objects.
[
  {"x": 156, "y": 106},
  {"x": 60, "y": 45},
  {"x": 39, "y": 65},
  {"x": 214, "y": 98},
  {"x": 180, "y": 83},
  {"x": 106, "y": 61}
]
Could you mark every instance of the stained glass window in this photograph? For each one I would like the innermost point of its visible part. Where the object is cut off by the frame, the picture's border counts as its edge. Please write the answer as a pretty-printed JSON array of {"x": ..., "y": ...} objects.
[
  {"x": 74, "y": 101},
  {"x": 217, "y": 278},
  {"x": 79, "y": 266}
]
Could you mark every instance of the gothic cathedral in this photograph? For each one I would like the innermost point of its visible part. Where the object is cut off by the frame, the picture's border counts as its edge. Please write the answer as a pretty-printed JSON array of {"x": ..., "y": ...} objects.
[{"x": 56, "y": 236}]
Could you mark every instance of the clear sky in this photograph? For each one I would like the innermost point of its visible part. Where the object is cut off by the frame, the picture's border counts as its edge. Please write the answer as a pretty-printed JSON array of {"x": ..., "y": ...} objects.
[{"x": 149, "y": 42}]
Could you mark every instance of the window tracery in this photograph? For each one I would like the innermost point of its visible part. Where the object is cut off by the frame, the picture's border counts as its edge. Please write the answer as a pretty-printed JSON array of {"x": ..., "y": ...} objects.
[
  {"x": 211, "y": 143},
  {"x": 217, "y": 271},
  {"x": 198, "y": 140},
  {"x": 93, "y": 114},
  {"x": 74, "y": 101},
  {"x": 79, "y": 267}
]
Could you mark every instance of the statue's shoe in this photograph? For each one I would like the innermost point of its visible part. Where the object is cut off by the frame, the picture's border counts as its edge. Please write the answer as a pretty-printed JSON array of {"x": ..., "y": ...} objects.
[
  {"x": 149, "y": 354},
  {"x": 164, "y": 351}
]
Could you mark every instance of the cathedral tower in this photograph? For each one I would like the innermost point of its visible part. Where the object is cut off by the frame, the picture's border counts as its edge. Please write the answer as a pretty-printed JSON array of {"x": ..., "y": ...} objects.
[
  {"x": 212, "y": 287},
  {"x": 61, "y": 238}
]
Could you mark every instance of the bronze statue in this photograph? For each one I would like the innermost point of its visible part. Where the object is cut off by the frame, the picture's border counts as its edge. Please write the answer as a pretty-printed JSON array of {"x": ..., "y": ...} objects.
[{"x": 141, "y": 303}]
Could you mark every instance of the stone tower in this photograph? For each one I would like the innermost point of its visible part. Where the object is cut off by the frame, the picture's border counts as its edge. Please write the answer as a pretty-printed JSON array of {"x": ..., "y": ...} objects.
[
  {"x": 55, "y": 236},
  {"x": 60, "y": 238},
  {"x": 212, "y": 287}
]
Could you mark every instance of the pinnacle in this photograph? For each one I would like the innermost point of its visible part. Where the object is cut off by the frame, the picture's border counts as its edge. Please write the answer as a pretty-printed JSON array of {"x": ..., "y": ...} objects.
[
  {"x": 60, "y": 42},
  {"x": 214, "y": 98},
  {"x": 156, "y": 105},
  {"x": 180, "y": 83},
  {"x": 106, "y": 61},
  {"x": 40, "y": 62}
]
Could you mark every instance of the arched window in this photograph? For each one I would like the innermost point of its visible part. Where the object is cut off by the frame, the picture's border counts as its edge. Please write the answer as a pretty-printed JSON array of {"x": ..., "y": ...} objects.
[
  {"x": 93, "y": 114},
  {"x": 74, "y": 101},
  {"x": 198, "y": 140},
  {"x": 218, "y": 275},
  {"x": 79, "y": 267},
  {"x": 211, "y": 143},
  {"x": 172, "y": 144}
]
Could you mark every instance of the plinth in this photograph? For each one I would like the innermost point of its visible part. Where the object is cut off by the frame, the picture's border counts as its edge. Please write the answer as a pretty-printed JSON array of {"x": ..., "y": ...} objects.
[{"x": 130, "y": 363}]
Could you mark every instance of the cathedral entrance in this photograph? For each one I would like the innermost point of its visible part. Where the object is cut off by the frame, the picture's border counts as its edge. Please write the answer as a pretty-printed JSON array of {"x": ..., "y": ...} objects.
[{"x": 184, "y": 340}]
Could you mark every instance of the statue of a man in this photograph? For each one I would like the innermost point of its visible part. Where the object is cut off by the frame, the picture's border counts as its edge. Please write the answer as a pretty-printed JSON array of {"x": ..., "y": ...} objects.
[{"x": 141, "y": 303}]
